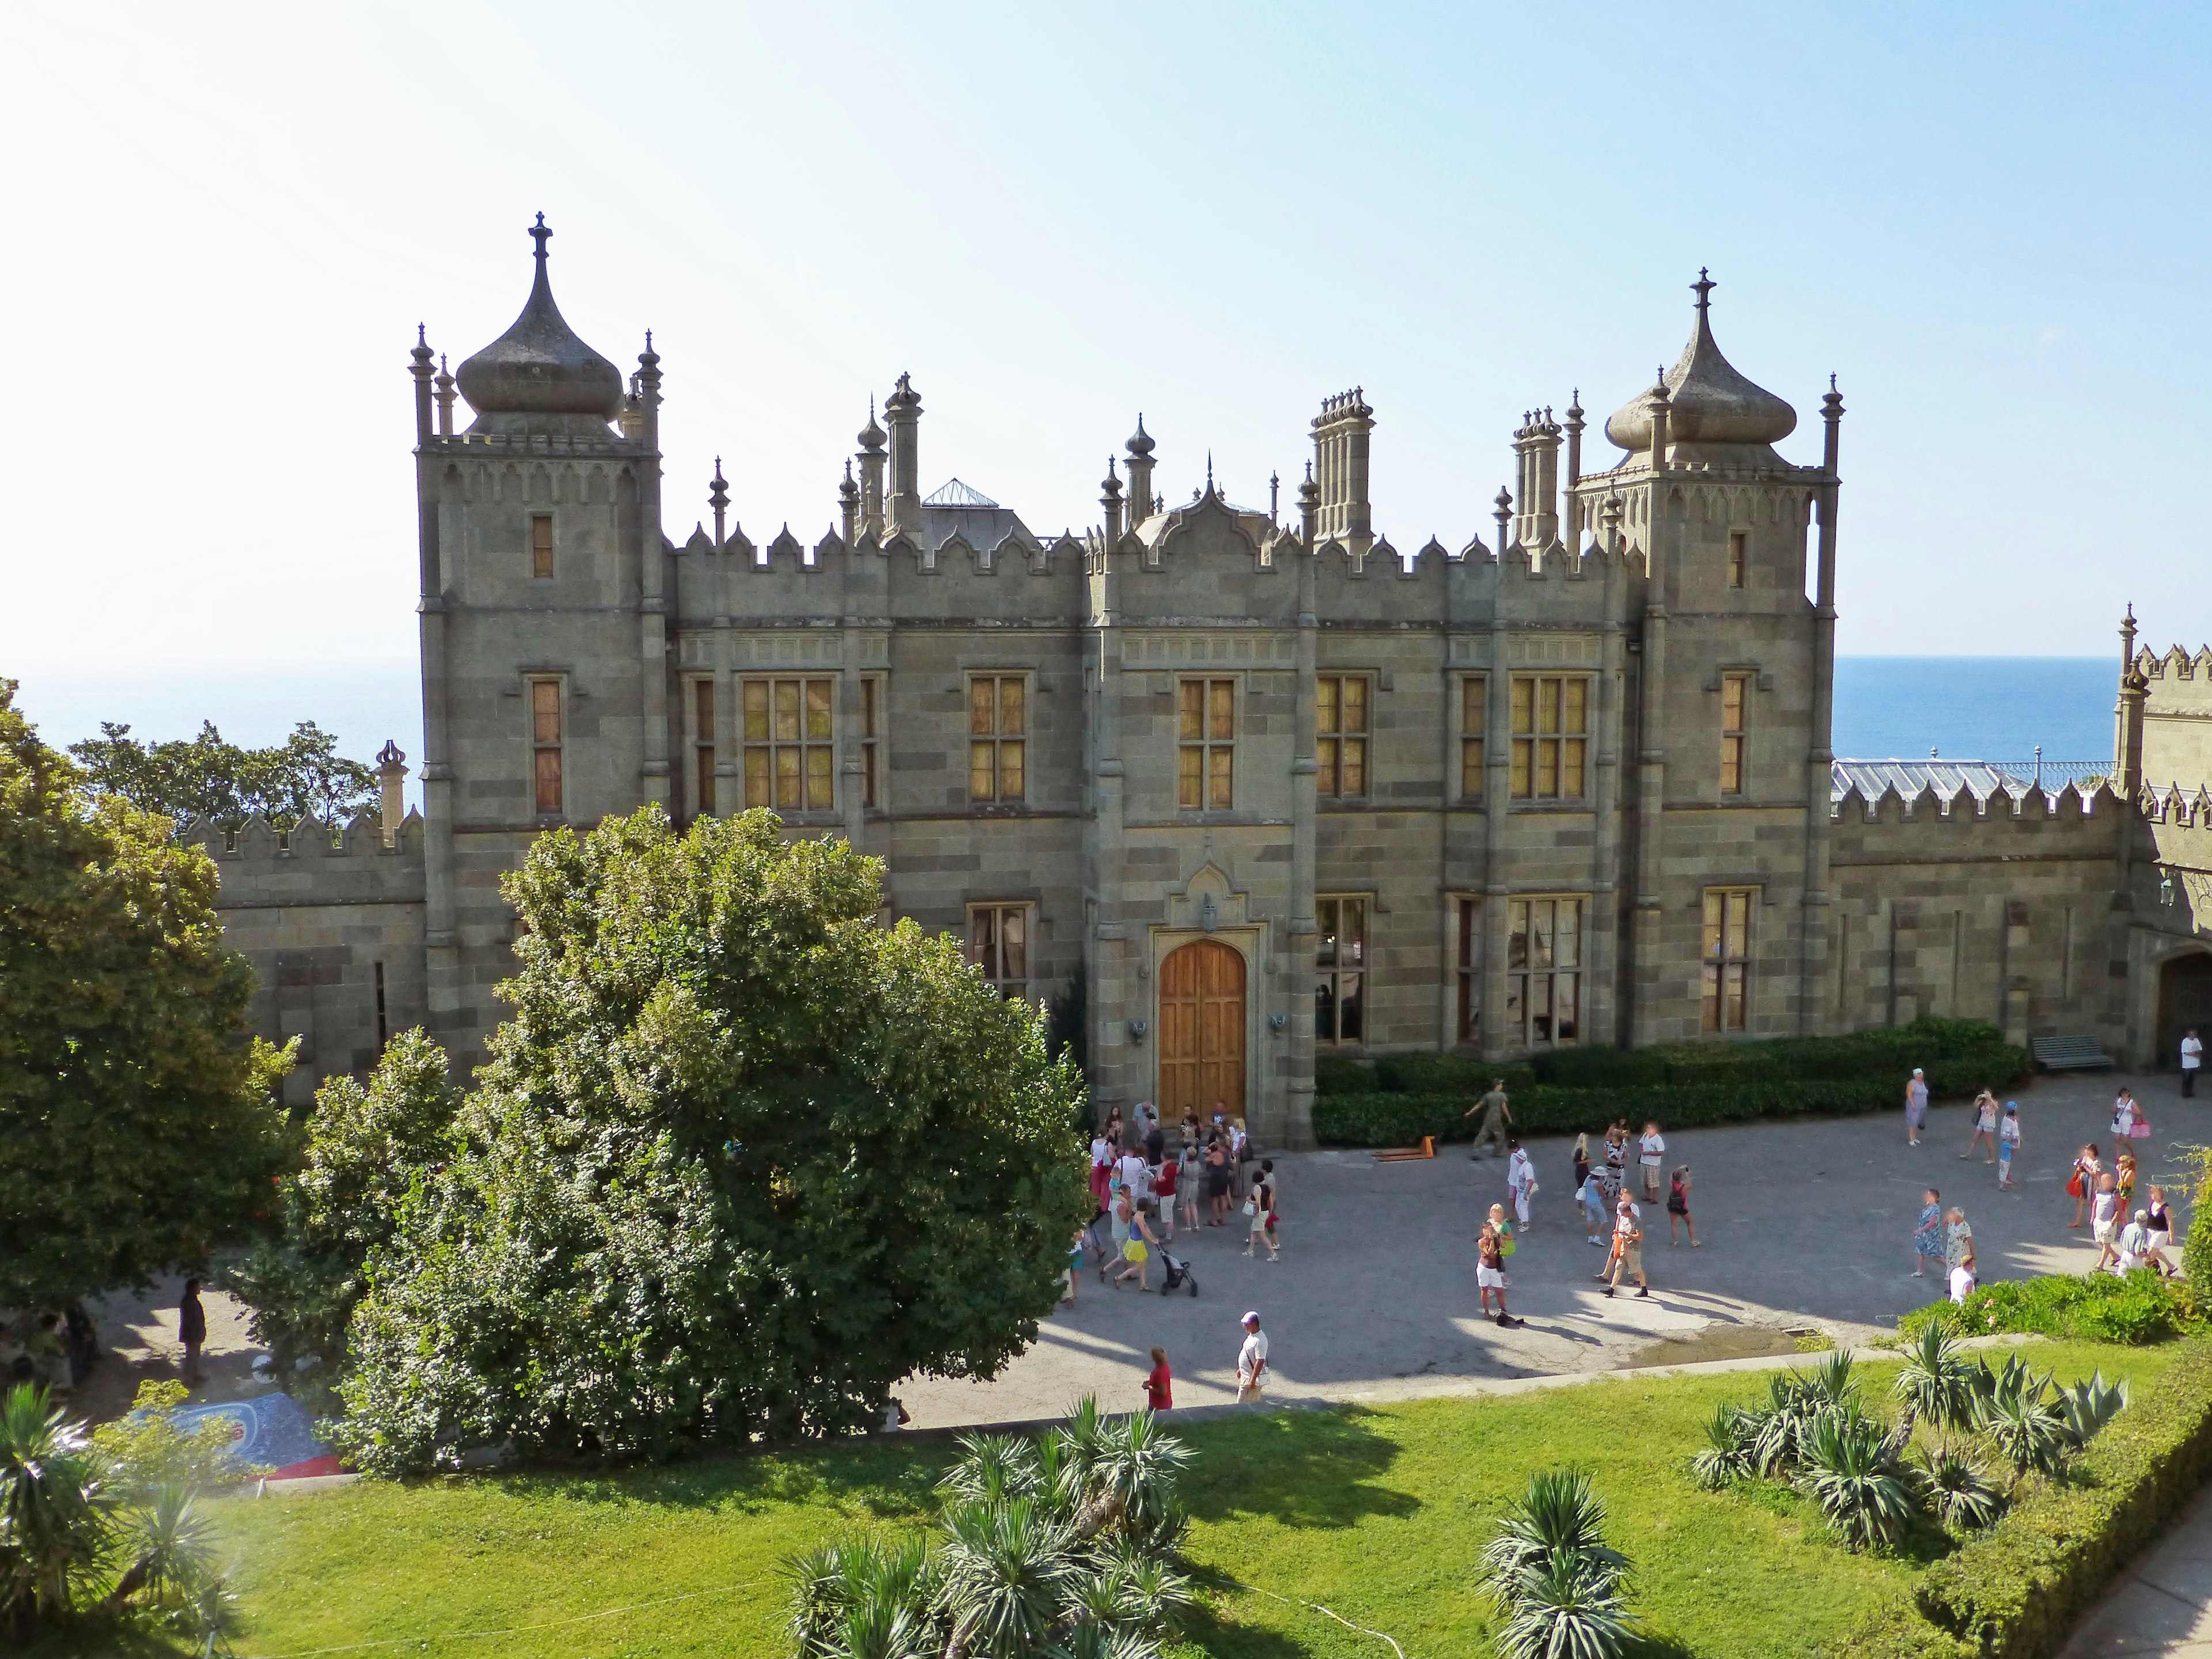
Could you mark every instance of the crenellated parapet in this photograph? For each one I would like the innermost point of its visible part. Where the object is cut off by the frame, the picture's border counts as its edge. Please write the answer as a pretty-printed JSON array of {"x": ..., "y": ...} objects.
[{"x": 316, "y": 862}]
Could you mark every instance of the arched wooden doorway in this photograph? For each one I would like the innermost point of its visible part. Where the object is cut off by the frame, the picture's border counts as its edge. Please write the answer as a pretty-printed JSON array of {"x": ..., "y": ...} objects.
[
  {"x": 1201, "y": 1028},
  {"x": 2184, "y": 999}
]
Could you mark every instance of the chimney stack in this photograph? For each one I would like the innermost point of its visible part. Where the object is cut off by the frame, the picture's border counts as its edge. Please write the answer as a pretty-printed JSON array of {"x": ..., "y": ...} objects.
[
  {"x": 1340, "y": 439},
  {"x": 392, "y": 775},
  {"x": 1140, "y": 475},
  {"x": 902, "y": 408}
]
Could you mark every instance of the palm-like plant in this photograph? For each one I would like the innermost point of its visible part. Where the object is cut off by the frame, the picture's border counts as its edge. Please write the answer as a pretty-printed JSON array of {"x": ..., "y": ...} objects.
[
  {"x": 2028, "y": 1430},
  {"x": 1004, "y": 1573},
  {"x": 1957, "y": 1492},
  {"x": 1849, "y": 1472},
  {"x": 2088, "y": 1407},
  {"x": 1728, "y": 1452},
  {"x": 1937, "y": 1383},
  {"x": 55, "y": 1514},
  {"x": 861, "y": 1599},
  {"x": 1562, "y": 1589},
  {"x": 1831, "y": 1382}
]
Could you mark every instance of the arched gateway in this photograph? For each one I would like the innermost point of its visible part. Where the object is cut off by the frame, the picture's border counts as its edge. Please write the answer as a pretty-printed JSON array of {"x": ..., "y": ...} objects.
[{"x": 1201, "y": 1032}]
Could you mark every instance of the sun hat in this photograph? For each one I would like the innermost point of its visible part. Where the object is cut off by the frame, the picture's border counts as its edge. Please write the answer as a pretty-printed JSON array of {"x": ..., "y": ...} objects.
[
  {"x": 1916, "y": 1072},
  {"x": 1252, "y": 1318}
]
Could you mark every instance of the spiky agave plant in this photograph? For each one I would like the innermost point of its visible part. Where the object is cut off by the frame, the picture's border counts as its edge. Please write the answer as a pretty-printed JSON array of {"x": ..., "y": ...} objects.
[
  {"x": 1727, "y": 1455},
  {"x": 1561, "y": 1588},
  {"x": 1832, "y": 1382},
  {"x": 1957, "y": 1492},
  {"x": 1849, "y": 1472},
  {"x": 2088, "y": 1407},
  {"x": 2028, "y": 1429}
]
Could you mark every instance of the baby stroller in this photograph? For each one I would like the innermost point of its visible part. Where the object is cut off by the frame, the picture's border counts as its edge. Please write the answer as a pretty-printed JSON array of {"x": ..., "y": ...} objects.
[{"x": 1179, "y": 1274}]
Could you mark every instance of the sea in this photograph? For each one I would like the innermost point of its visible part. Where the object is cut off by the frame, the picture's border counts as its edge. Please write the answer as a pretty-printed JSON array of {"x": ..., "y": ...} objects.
[{"x": 1993, "y": 709}]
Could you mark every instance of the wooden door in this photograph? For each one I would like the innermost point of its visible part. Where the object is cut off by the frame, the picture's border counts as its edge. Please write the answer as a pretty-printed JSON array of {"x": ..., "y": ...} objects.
[{"x": 1201, "y": 1031}]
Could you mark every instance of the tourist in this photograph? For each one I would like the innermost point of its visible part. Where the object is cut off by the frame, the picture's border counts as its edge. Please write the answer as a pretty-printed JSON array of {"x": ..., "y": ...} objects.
[
  {"x": 1191, "y": 1184},
  {"x": 1985, "y": 1126},
  {"x": 1490, "y": 1132},
  {"x": 1114, "y": 1130},
  {"x": 191, "y": 1329},
  {"x": 1520, "y": 1179},
  {"x": 1164, "y": 1184},
  {"x": 2192, "y": 1057},
  {"x": 1958, "y": 1247},
  {"x": 1101, "y": 1169},
  {"x": 2104, "y": 1218},
  {"x": 1650, "y": 1153},
  {"x": 1963, "y": 1276},
  {"x": 1677, "y": 1205},
  {"x": 1075, "y": 1266},
  {"x": 2083, "y": 1181},
  {"x": 1252, "y": 1362},
  {"x": 2124, "y": 1117},
  {"x": 1627, "y": 1249},
  {"x": 1156, "y": 1142},
  {"x": 1190, "y": 1129},
  {"x": 1124, "y": 1208},
  {"x": 1217, "y": 1178},
  {"x": 1582, "y": 1167},
  {"x": 1916, "y": 1106},
  {"x": 1596, "y": 1209},
  {"x": 1928, "y": 1237},
  {"x": 2007, "y": 1142},
  {"x": 1137, "y": 1254},
  {"x": 1159, "y": 1383},
  {"x": 1490, "y": 1276},
  {"x": 1504, "y": 1229},
  {"x": 1133, "y": 1168},
  {"x": 1259, "y": 1211},
  {"x": 1239, "y": 1153},
  {"x": 1616, "y": 1154},
  {"x": 1148, "y": 1119},
  {"x": 2124, "y": 1177},
  {"x": 2157, "y": 1224},
  {"x": 2135, "y": 1239}
]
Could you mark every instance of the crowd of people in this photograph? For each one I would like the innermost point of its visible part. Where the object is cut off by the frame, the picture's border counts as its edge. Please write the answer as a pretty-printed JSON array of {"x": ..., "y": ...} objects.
[{"x": 1148, "y": 1180}]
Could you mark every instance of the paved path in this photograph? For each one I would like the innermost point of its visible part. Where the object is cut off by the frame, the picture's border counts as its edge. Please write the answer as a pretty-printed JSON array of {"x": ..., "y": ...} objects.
[
  {"x": 2162, "y": 1602},
  {"x": 1803, "y": 1224}
]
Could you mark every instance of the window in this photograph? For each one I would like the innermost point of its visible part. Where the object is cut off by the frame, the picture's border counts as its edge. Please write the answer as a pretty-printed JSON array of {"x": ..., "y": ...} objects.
[
  {"x": 1551, "y": 723},
  {"x": 1736, "y": 692},
  {"x": 383, "y": 1022},
  {"x": 997, "y": 943},
  {"x": 787, "y": 745},
  {"x": 702, "y": 746},
  {"x": 1727, "y": 958},
  {"x": 545, "y": 744},
  {"x": 1470, "y": 962},
  {"x": 1543, "y": 971},
  {"x": 998, "y": 720},
  {"x": 541, "y": 546},
  {"x": 1341, "y": 721},
  {"x": 1474, "y": 722},
  {"x": 1206, "y": 761},
  {"x": 1339, "y": 993},
  {"x": 1737, "y": 539},
  {"x": 869, "y": 691}
]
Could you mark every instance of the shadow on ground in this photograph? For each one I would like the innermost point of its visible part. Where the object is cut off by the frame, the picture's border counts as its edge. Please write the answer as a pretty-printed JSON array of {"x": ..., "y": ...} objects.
[{"x": 1298, "y": 1468}]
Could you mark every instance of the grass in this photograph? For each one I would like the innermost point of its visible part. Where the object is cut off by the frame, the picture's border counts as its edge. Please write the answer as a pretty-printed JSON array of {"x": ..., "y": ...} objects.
[{"x": 1377, "y": 1514}]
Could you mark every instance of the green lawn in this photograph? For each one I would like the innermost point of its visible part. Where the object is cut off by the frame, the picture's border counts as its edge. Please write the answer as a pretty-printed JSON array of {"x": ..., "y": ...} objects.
[{"x": 1376, "y": 1513}]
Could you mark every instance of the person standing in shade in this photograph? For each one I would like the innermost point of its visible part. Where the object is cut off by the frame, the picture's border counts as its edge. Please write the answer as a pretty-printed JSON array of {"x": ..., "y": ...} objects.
[
  {"x": 192, "y": 1330},
  {"x": 1191, "y": 1184},
  {"x": 2192, "y": 1057},
  {"x": 1159, "y": 1382},
  {"x": 1582, "y": 1167},
  {"x": 1678, "y": 1206},
  {"x": 1164, "y": 1186},
  {"x": 1252, "y": 1362},
  {"x": 1916, "y": 1106},
  {"x": 1650, "y": 1154},
  {"x": 1520, "y": 1180},
  {"x": 1490, "y": 1130},
  {"x": 2007, "y": 1142},
  {"x": 1216, "y": 1177},
  {"x": 1985, "y": 1126},
  {"x": 1928, "y": 1237}
]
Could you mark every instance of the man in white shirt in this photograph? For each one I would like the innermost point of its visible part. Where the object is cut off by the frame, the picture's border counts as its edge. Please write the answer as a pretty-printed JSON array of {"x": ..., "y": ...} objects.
[
  {"x": 1520, "y": 1180},
  {"x": 2192, "y": 1057},
  {"x": 1132, "y": 1170},
  {"x": 1252, "y": 1361},
  {"x": 1652, "y": 1152}
]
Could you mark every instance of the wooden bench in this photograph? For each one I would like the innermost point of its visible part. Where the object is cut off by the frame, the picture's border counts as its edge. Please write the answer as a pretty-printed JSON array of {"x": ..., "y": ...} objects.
[{"x": 2069, "y": 1053}]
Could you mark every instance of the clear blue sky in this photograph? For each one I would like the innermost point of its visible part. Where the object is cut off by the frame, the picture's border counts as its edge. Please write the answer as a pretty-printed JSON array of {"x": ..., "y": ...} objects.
[{"x": 1989, "y": 220}]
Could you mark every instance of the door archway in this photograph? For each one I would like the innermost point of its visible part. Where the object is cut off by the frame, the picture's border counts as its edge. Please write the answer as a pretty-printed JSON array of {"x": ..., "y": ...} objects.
[
  {"x": 1201, "y": 1029},
  {"x": 2184, "y": 999}
]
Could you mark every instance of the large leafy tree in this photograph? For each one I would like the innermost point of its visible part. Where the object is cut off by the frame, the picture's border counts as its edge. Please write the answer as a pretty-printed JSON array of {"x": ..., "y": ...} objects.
[
  {"x": 135, "y": 1131},
  {"x": 208, "y": 776},
  {"x": 741, "y": 1160}
]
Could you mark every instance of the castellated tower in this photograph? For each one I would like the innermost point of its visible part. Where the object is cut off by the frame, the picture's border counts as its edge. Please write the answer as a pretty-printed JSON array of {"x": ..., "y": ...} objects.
[{"x": 544, "y": 627}]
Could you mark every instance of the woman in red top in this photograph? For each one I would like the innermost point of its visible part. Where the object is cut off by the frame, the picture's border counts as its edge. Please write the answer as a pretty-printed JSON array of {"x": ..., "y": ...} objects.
[{"x": 1159, "y": 1390}]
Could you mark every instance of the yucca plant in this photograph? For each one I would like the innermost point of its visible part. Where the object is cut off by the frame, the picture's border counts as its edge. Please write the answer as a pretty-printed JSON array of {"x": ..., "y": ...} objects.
[
  {"x": 1727, "y": 1455},
  {"x": 993, "y": 1468},
  {"x": 1957, "y": 1492},
  {"x": 1560, "y": 1587},
  {"x": 1004, "y": 1573},
  {"x": 56, "y": 1515},
  {"x": 1850, "y": 1473},
  {"x": 1831, "y": 1382},
  {"x": 1937, "y": 1383},
  {"x": 860, "y": 1599}
]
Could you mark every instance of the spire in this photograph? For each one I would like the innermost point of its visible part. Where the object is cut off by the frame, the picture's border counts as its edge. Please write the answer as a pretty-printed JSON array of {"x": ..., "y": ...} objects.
[
  {"x": 1209, "y": 473},
  {"x": 719, "y": 498},
  {"x": 538, "y": 377},
  {"x": 444, "y": 382},
  {"x": 871, "y": 435},
  {"x": 1703, "y": 288},
  {"x": 539, "y": 235}
]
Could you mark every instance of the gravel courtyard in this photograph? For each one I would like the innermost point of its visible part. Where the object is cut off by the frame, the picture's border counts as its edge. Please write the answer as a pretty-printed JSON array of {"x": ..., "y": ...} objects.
[{"x": 1804, "y": 1225}]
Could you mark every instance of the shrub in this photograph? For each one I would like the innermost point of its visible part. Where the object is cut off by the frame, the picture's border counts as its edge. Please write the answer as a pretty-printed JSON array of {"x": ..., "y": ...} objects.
[
  {"x": 1562, "y": 1590},
  {"x": 147, "y": 1451},
  {"x": 1850, "y": 1473},
  {"x": 1431, "y": 1073},
  {"x": 1958, "y": 1493},
  {"x": 56, "y": 1516},
  {"x": 1335, "y": 1075},
  {"x": 2140, "y": 1308}
]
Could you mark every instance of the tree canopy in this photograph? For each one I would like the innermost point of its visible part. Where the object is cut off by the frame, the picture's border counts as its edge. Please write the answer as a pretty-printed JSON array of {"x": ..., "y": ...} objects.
[
  {"x": 742, "y": 1158},
  {"x": 207, "y": 776},
  {"x": 135, "y": 1131}
]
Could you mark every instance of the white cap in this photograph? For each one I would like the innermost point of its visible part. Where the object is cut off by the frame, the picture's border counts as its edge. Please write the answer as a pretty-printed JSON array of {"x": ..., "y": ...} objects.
[
  {"x": 1252, "y": 1318},
  {"x": 1916, "y": 1071}
]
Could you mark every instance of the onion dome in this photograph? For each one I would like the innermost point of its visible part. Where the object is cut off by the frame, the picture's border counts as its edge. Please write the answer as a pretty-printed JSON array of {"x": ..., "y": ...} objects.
[
  {"x": 1709, "y": 402},
  {"x": 539, "y": 371},
  {"x": 1140, "y": 446},
  {"x": 871, "y": 435}
]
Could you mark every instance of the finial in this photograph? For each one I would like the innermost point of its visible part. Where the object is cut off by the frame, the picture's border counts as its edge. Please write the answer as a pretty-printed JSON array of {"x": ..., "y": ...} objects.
[
  {"x": 1704, "y": 285},
  {"x": 419, "y": 339},
  {"x": 441, "y": 363},
  {"x": 1141, "y": 445},
  {"x": 1209, "y": 473},
  {"x": 539, "y": 235},
  {"x": 1504, "y": 503},
  {"x": 1832, "y": 382}
]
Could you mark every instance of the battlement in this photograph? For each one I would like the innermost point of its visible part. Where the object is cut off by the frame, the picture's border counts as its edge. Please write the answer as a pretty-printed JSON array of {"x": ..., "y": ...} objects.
[{"x": 317, "y": 861}]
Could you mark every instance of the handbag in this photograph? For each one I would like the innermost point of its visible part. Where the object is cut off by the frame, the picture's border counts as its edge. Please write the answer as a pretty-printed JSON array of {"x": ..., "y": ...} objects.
[
  {"x": 2139, "y": 1130},
  {"x": 2074, "y": 1187},
  {"x": 1251, "y": 1206}
]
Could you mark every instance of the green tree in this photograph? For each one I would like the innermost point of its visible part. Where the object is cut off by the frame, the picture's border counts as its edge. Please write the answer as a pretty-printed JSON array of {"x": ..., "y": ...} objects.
[
  {"x": 208, "y": 776},
  {"x": 135, "y": 1131},
  {"x": 741, "y": 1160},
  {"x": 366, "y": 1148}
]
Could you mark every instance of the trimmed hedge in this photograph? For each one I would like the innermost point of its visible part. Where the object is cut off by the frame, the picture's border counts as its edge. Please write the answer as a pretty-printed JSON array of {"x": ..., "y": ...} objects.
[
  {"x": 2094, "y": 1307},
  {"x": 2014, "y": 1592}
]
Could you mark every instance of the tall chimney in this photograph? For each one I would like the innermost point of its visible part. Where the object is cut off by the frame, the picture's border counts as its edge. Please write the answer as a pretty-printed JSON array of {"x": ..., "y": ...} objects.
[
  {"x": 1341, "y": 446},
  {"x": 902, "y": 408},
  {"x": 392, "y": 776},
  {"x": 871, "y": 477},
  {"x": 1140, "y": 475}
]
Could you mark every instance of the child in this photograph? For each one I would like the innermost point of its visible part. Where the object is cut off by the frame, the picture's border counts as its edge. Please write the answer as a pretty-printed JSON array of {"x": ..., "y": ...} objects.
[
  {"x": 1165, "y": 1187},
  {"x": 1159, "y": 1382},
  {"x": 1490, "y": 1274},
  {"x": 1075, "y": 1266},
  {"x": 2007, "y": 1142},
  {"x": 1678, "y": 1206},
  {"x": 1594, "y": 1206}
]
